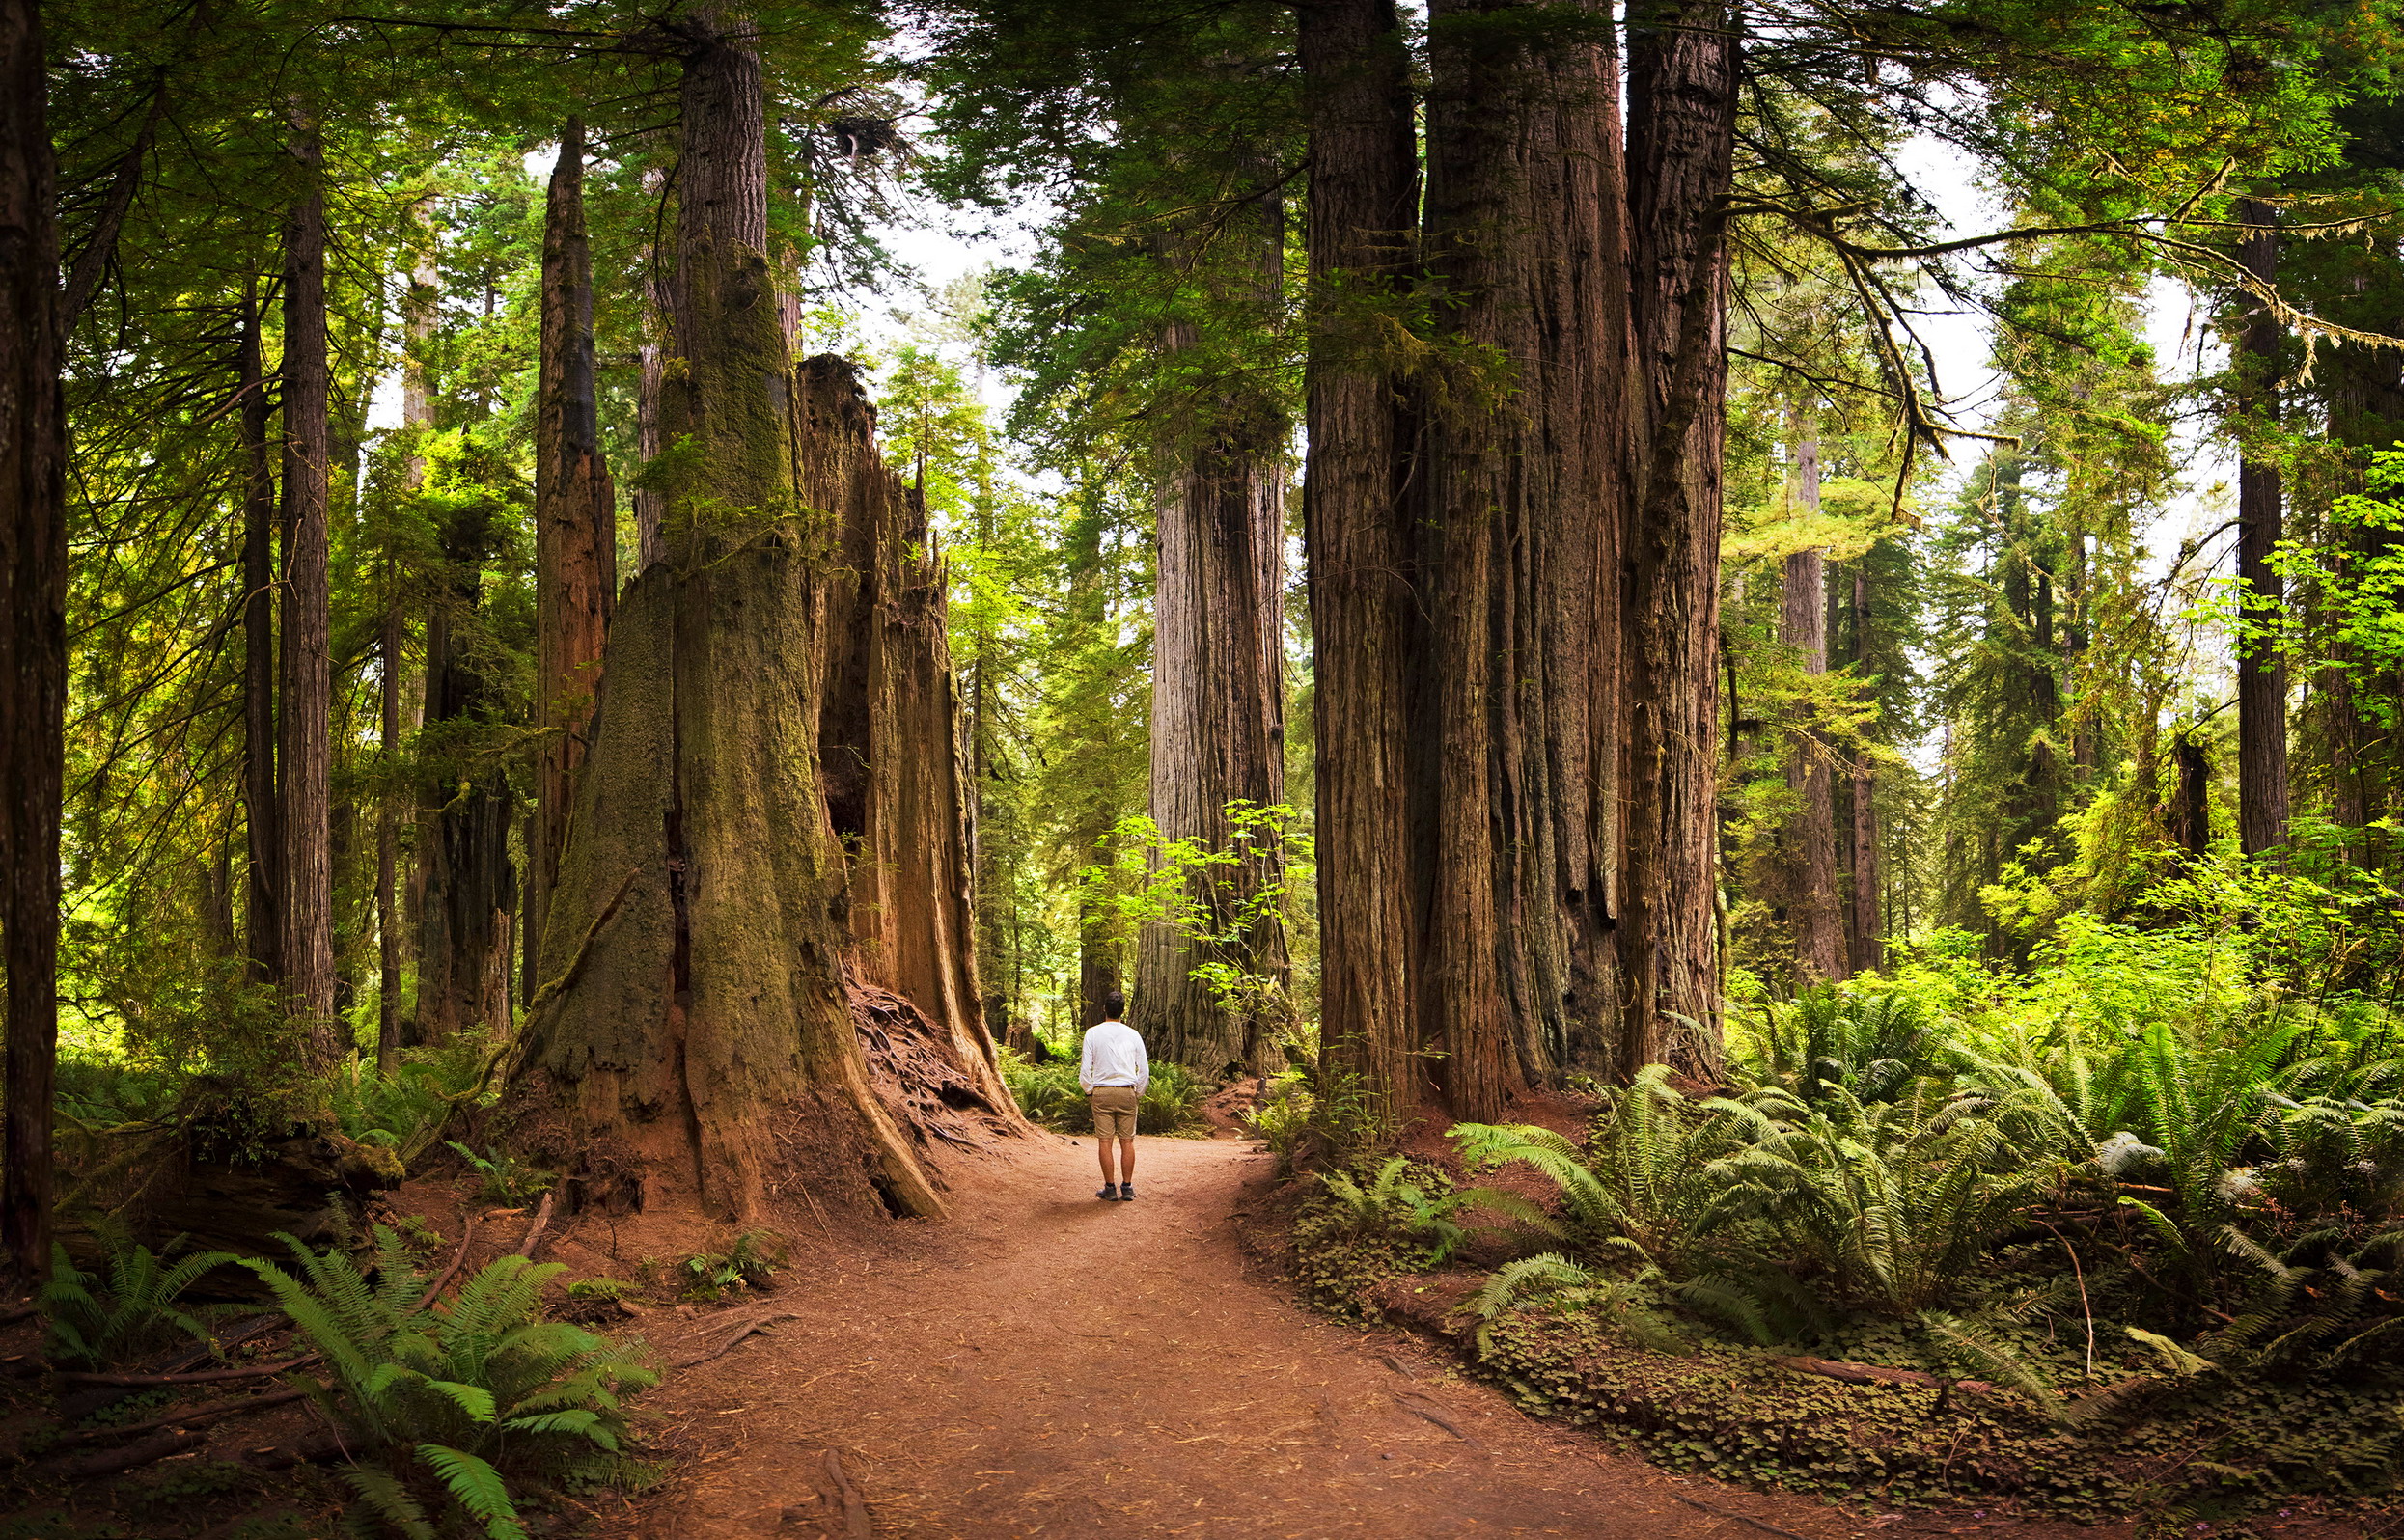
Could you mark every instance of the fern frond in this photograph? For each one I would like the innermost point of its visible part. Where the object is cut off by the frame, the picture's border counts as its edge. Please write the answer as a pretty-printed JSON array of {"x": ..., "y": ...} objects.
[{"x": 477, "y": 1487}]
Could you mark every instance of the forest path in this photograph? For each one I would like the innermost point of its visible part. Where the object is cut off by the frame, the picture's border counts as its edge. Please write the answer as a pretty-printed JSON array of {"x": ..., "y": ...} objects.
[{"x": 1048, "y": 1365}]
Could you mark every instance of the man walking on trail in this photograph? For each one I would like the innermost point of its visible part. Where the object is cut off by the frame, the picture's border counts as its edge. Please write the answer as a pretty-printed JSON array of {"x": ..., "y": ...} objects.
[{"x": 1113, "y": 1073}]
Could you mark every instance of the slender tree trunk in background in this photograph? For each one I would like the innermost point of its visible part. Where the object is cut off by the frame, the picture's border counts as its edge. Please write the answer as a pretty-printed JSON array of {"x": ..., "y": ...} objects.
[
  {"x": 1363, "y": 205},
  {"x": 576, "y": 533},
  {"x": 388, "y": 836},
  {"x": 420, "y": 312},
  {"x": 1811, "y": 836},
  {"x": 1097, "y": 968},
  {"x": 2190, "y": 796},
  {"x": 1865, "y": 927},
  {"x": 694, "y": 1005},
  {"x": 2367, "y": 411},
  {"x": 2261, "y": 672},
  {"x": 33, "y": 636},
  {"x": 1218, "y": 710},
  {"x": 305, "y": 908},
  {"x": 263, "y": 933},
  {"x": 465, "y": 931},
  {"x": 890, "y": 726},
  {"x": 1681, "y": 121}
]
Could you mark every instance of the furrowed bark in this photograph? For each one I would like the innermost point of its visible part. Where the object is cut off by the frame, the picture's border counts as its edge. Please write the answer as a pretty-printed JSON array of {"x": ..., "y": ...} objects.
[
  {"x": 1865, "y": 925},
  {"x": 33, "y": 636},
  {"x": 1682, "y": 102},
  {"x": 2261, "y": 671},
  {"x": 575, "y": 531},
  {"x": 1362, "y": 203},
  {"x": 888, "y": 725},
  {"x": 693, "y": 999},
  {"x": 1524, "y": 492},
  {"x": 1811, "y": 835},
  {"x": 262, "y": 812},
  {"x": 1218, "y": 709},
  {"x": 304, "y": 748}
]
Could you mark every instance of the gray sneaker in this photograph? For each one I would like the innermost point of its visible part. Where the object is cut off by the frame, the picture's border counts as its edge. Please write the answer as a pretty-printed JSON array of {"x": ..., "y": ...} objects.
[
  {"x": 1108, "y": 1194},
  {"x": 1126, "y": 1191}
]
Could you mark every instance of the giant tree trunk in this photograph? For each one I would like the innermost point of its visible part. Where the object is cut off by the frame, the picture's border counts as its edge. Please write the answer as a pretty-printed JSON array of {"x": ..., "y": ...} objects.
[
  {"x": 575, "y": 530},
  {"x": 1362, "y": 207},
  {"x": 1865, "y": 925},
  {"x": 692, "y": 1033},
  {"x": 1681, "y": 116},
  {"x": 1521, "y": 497},
  {"x": 1811, "y": 835},
  {"x": 2261, "y": 672},
  {"x": 1218, "y": 709},
  {"x": 33, "y": 636},
  {"x": 263, "y": 932},
  {"x": 888, "y": 725},
  {"x": 305, "y": 908}
]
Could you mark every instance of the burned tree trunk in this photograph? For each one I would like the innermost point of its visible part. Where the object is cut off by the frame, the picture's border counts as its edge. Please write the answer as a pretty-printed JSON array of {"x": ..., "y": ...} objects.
[
  {"x": 2261, "y": 671},
  {"x": 575, "y": 530},
  {"x": 1682, "y": 108},
  {"x": 693, "y": 1008},
  {"x": 1363, "y": 197},
  {"x": 33, "y": 636},
  {"x": 888, "y": 725},
  {"x": 1218, "y": 708},
  {"x": 1811, "y": 835},
  {"x": 305, "y": 703}
]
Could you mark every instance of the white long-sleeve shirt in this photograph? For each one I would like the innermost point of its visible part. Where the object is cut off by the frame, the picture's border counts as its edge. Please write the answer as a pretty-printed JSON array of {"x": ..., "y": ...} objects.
[{"x": 1114, "y": 1056}]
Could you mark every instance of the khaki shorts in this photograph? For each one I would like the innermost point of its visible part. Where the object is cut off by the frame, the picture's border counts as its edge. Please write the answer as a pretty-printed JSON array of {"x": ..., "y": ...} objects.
[{"x": 1114, "y": 1110}]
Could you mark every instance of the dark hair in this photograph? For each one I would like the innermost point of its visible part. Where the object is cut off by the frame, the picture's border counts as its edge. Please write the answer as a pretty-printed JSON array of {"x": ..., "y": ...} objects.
[{"x": 1114, "y": 1005}]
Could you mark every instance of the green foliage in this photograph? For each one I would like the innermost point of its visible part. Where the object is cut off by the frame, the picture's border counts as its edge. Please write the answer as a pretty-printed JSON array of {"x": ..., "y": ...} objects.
[
  {"x": 459, "y": 1411},
  {"x": 502, "y": 1178},
  {"x": 1552, "y": 1278},
  {"x": 1170, "y": 1102},
  {"x": 748, "y": 1263},
  {"x": 133, "y": 1308},
  {"x": 1420, "y": 1207}
]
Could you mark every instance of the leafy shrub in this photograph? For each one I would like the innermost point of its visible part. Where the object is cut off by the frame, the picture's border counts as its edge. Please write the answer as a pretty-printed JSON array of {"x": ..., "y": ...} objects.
[
  {"x": 504, "y": 1179},
  {"x": 1872, "y": 1043},
  {"x": 456, "y": 1411},
  {"x": 748, "y": 1263},
  {"x": 1049, "y": 1095},
  {"x": 1427, "y": 1210},
  {"x": 137, "y": 1309}
]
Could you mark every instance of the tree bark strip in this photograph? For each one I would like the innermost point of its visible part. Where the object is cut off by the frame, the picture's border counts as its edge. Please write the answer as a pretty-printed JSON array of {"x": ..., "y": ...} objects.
[
  {"x": 262, "y": 812},
  {"x": 575, "y": 530},
  {"x": 304, "y": 748},
  {"x": 33, "y": 635},
  {"x": 1362, "y": 203},
  {"x": 2261, "y": 671},
  {"x": 1681, "y": 116}
]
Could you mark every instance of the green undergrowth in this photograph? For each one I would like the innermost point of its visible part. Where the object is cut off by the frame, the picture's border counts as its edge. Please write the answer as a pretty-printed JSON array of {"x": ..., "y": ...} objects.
[{"x": 1050, "y": 1095}]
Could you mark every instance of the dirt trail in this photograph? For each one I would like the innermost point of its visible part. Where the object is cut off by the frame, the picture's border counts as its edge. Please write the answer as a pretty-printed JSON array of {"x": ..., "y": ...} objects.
[{"x": 1047, "y": 1364}]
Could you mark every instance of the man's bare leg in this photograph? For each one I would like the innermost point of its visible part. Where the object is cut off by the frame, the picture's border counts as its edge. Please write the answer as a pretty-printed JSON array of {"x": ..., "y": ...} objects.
[
  {"x": 1126, "y": 1162},
  {"x": 1108, "y": 1179}
]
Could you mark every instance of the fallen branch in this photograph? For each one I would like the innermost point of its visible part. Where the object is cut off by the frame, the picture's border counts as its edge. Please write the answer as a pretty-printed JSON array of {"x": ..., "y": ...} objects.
[
  {"x": 534, "y": 1231},
  {"x": 192, "y": 1417},
  {"x": 205, "y": 1377},
  {"x": 740, "y": 1333},
  {"x": 1418, "y": 1406},
  {"x": 1762, "y": 1525},
  {"x": 1878, "y": 1374},
  {"x": 108, "y": 1462},
  {"x": 315, "y": 1448},
  {"x": 467, "y": 1234}
]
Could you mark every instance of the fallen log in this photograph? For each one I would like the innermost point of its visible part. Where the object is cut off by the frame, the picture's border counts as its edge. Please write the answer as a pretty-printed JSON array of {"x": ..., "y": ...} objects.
[
  {"x": 740, "y": 1333},
  {"x": 142, "y": 1451},
  {"x": 205, "y": 1377}
]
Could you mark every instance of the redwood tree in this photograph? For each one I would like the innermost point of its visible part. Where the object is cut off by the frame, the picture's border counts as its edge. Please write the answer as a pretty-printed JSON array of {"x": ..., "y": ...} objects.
[
  {"x": 304, "y": 705},
  {"x": 33, "y": 634},
  {"x": 692, "y": 1024},
  {"x": 1812, "y": 906},
  {"x": 575, "y": 528},
  {"x": 2261, "y": 671}
]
